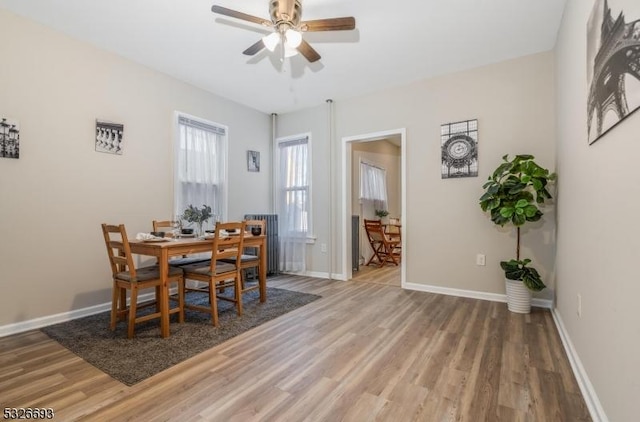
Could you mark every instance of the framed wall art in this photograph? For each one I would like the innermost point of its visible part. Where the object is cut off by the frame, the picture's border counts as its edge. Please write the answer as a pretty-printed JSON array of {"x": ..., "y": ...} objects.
[
  {"x": 9, "y": 138},
  {"x": 613, "y": 65},
  {"x": 253, "y": 161},
  {"x": 459, "y": 144},
  {"x": 109, "y": 137}
]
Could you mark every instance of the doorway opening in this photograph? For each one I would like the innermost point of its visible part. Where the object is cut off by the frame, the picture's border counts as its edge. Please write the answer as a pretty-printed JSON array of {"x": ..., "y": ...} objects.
[{"x": 378, "y": 149}]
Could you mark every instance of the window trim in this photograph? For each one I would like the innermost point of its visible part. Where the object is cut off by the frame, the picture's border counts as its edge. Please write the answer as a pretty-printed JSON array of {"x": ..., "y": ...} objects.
[
  {"x": 311, "y": 237},
  {"x": 176, "y": 154}
]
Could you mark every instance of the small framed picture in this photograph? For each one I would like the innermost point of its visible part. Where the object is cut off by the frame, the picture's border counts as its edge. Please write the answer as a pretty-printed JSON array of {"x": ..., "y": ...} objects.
[
  {"x": 253, "y": 161},
  {"x": 9, "y": 138},
  {"x": 109, "y": 137}
]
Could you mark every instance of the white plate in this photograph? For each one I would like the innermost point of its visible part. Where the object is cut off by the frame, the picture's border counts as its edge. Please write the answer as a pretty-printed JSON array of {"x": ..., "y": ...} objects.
[{"x": 187, "y": 235}]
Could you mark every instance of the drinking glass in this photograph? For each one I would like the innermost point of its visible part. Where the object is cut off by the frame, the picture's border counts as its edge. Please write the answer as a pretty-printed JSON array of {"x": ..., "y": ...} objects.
[{"x": 177, "y": 227}]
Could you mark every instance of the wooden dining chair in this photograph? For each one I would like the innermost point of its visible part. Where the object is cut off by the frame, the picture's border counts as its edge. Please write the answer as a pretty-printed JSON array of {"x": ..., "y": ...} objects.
[
  {"x": 385, "y": 250},
  {"x": 250, "y": 258},
  {"x": 167, "y": 226},
  {"x": 217, "y": 274},
  {"x": 126, "y": 277}
]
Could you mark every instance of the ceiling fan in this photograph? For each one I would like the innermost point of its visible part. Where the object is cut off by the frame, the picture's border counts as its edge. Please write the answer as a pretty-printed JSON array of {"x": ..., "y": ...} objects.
[{"x": 288, "y": 28}]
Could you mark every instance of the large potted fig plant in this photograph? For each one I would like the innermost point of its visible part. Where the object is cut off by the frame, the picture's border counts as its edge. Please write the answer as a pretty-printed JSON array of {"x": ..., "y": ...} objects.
[{"x": 514, "y": 194}]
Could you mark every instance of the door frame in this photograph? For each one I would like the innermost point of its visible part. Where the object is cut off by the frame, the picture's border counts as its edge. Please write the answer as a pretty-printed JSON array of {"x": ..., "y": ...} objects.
[{"x": 347, "y": 211}]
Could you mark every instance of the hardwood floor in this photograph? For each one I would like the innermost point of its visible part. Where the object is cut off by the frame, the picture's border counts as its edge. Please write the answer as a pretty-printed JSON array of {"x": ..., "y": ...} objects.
[
  {"x": 388, "y": 275},
  {"x": 363, "y": 352}
]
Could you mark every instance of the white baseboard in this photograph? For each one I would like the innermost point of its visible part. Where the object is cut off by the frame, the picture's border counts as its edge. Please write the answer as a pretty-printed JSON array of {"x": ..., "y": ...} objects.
[
  {"x": 473, "y": 294},
  {"x": 32, "y": 324},
  {"x": 493, "y": 297},
  {"x": 588, "y": 392}
]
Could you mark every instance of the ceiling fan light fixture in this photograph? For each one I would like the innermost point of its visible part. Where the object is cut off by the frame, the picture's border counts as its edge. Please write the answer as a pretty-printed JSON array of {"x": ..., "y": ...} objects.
[
  {"x": 292, "y": 38},
  {"x": 289, "y": 52},
  {"x": 271, "y": 41},
  {"x": 285, "y": 21}
]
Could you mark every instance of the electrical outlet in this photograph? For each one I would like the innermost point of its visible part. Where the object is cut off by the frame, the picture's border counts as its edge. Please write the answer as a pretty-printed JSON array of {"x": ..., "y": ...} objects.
[
  {"x": 480, "y": 259},
  {"x": 323, "y": 247},
  {"x": 579, "y": 305}
]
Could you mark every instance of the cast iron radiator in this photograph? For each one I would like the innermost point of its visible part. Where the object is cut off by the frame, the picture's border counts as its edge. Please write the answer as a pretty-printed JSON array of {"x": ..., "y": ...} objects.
[
  {"x": 273, "y": 245},
  {"x": 355, "y": 242}
]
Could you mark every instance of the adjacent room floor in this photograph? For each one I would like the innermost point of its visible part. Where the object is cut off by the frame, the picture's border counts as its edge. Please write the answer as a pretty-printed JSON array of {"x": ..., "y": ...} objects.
[{"x": 388, "y": 274}]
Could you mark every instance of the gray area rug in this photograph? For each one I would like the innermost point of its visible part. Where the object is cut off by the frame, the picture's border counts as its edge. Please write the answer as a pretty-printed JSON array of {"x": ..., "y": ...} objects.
[{"x": 131, "y": 361}]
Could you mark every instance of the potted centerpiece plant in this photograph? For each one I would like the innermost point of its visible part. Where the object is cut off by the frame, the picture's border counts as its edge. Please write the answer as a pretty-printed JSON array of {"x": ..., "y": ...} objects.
[
  {"x": 514, "y": 194},
  {"x": 381, "y": 213},
  {"x": 197, "y": 215}
]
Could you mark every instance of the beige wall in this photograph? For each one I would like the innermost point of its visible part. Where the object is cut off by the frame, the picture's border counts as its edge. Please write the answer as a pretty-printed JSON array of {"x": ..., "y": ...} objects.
[
  {"x": 54, "y": 198},
  {"x": 598, "y": 225},
  {"x": 445, "y": 228}
]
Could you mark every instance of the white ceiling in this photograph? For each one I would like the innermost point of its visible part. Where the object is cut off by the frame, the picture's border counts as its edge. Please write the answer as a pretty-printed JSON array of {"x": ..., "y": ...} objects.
[{"x": 395, "y": 42}]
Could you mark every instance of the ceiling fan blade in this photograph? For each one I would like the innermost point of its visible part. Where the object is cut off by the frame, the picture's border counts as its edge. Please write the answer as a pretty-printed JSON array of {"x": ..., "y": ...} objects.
[
  {"x": 308, "y": 52},
  {"x": 239, "y": 15},
  {"x": 255, "y": 48},
  {"x": 331, "y": 24}
]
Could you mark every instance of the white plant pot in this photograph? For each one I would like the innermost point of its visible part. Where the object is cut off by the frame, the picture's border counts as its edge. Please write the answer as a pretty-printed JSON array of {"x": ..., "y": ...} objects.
[{"x": 518, "y": 297}]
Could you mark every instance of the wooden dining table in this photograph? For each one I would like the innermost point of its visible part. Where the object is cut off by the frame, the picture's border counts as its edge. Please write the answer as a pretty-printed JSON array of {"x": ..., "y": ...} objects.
[{"x": 164, "y": 250}]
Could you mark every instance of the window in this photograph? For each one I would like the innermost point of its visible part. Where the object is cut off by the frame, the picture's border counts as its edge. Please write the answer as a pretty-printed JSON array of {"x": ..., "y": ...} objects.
[
  {"x": 200, "y": 171},
  {"x": 373, "y": 185},
  {"x": 294, "y": 200},
  {"x": 294, "y": 186}
]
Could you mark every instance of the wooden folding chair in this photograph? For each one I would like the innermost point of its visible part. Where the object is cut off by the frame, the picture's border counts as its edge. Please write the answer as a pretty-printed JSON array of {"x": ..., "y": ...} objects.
[
  {"x": 385, "y": 250},
  {"x": 393, "y": 230}
]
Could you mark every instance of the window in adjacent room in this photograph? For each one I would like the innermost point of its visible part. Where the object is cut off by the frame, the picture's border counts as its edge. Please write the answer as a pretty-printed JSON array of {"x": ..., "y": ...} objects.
[{"x": 373, "y": 185}]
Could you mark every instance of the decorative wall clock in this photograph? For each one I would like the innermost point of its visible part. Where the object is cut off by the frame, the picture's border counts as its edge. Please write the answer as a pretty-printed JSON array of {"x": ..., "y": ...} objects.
[{"x": 459, "y": 149}]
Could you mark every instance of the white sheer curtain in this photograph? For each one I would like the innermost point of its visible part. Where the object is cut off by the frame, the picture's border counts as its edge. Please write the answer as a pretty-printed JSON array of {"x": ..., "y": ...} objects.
[
  {"x": 294, "y": 202},
  {"x": 200, "y": 166},
  {"x": 373, "y": 185}
]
